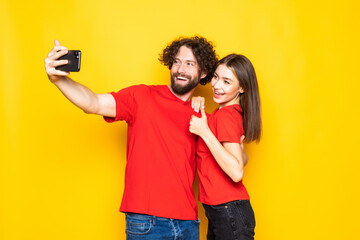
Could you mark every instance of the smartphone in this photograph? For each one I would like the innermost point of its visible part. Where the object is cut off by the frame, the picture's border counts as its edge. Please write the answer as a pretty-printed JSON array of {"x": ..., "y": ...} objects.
[{"x": 74, "y": 57}]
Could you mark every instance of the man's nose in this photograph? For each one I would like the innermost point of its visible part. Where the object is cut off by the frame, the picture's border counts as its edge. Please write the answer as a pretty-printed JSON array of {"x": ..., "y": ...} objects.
[{"x": 181, "y": 68}]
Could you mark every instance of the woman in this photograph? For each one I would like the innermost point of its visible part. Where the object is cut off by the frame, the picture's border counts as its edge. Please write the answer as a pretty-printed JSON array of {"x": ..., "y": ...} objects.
[{"x": 220, "y": 155}]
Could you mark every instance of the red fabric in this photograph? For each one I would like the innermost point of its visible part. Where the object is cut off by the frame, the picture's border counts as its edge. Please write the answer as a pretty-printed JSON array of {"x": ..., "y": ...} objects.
[
  {"x": 160, "y": 167},
  {"x": 215, "y": 186}
]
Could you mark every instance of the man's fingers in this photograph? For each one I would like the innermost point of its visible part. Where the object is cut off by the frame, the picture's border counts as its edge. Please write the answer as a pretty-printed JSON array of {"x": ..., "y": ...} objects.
[
  {"x": 58, "y": 63},
  {"x": 56, "y": 48},
  {"x": 58, "y": 53},
  {"x": 57, "y": 72},
  {"x": 242, "y": 138}
]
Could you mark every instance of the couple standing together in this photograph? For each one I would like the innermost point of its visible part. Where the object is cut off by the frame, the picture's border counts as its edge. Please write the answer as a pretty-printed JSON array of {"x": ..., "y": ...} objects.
[{"x": 170, "y": 136}]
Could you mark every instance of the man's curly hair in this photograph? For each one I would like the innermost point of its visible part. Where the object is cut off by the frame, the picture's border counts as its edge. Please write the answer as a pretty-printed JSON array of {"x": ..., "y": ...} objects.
[{"x": 203, "y": 51}]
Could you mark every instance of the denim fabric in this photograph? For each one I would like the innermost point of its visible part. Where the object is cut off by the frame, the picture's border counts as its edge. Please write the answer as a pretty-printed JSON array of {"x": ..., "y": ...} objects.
[
  {"x": 230, "y": 221},
  {"x": 140, "y": 226}
]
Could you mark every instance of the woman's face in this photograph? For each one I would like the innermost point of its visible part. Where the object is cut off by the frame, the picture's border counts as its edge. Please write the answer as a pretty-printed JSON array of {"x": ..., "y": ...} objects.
[{"x": 225, "y": 86}]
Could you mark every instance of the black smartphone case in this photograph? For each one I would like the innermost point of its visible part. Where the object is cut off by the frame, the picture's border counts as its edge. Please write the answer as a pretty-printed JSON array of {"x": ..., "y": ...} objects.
[{"x": 74, "y": 57}]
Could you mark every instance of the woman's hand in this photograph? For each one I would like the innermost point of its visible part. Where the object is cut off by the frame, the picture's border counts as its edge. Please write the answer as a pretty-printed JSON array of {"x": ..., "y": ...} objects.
[
  {"x": 230, "y": 156},
  {"x": 199, "y": 126},
  {"x": 197, "y": 103}
]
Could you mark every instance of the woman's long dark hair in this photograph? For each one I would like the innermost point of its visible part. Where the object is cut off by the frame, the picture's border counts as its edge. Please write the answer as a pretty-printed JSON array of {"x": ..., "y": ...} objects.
[{"x": 249, "y": 99}]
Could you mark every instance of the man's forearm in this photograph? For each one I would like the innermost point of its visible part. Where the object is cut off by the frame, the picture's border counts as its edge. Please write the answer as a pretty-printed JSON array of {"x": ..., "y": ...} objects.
[{"x": 78, "y": 94}]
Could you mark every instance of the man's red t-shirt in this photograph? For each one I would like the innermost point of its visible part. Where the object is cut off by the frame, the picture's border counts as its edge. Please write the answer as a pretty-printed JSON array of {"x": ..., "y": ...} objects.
[
  {"x": 215, "y": 186},
  {"x": 160, "y": 167}
]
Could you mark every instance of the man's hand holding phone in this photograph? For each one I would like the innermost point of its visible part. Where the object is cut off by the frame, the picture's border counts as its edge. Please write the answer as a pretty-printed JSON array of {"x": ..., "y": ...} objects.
[{"x": 60, "y": 61}]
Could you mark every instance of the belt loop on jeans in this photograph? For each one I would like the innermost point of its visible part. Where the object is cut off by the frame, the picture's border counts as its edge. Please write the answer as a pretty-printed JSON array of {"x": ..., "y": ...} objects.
[{"x": 153, "y": 220}]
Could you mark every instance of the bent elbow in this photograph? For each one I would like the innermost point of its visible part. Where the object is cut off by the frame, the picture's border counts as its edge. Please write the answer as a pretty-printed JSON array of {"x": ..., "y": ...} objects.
[
  {"x": 237, "y": 177},
  {"x": 88, "y": 111}
]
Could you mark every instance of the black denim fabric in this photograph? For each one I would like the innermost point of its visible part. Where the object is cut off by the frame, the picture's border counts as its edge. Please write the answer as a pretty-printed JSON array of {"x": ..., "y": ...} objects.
[{"x": 230, "y": 221}]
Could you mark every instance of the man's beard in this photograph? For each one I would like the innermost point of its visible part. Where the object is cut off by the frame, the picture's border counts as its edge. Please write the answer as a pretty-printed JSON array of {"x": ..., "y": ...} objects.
[{"x": 182, "y": 89}]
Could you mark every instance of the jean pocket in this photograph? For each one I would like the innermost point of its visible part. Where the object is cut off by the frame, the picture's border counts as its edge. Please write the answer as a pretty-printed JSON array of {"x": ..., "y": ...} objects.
[
  {"x": 138, "y": 226},
  {"x": 244, "y": 211}
]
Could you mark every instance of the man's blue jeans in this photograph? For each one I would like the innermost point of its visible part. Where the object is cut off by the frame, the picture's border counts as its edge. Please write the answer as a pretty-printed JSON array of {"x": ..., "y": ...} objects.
[{"x": 140, "y": 226}]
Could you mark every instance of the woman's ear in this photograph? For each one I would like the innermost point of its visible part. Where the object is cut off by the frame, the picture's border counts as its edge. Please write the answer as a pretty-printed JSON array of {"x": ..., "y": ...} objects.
[{"x": 241, "y": 90}]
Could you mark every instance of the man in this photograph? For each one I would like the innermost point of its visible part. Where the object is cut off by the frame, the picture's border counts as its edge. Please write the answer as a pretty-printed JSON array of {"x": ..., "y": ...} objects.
[{"x": 158, "y": 197}]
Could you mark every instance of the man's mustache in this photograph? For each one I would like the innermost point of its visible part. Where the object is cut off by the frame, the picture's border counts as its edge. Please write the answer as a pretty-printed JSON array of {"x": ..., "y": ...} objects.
[{"x": 182, "y": 75}]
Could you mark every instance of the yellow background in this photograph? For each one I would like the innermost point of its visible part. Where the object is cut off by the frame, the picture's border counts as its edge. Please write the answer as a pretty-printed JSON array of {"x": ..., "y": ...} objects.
[{"x": 62, "y": 171}]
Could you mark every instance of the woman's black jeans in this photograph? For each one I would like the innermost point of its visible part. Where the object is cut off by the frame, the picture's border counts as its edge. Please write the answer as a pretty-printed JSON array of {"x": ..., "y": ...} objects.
[{"x": 230, "y": 221}]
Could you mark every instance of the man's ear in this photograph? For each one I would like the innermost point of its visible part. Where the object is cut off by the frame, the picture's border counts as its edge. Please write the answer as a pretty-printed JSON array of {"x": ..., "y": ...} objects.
[{"x": 202, "y": 75}]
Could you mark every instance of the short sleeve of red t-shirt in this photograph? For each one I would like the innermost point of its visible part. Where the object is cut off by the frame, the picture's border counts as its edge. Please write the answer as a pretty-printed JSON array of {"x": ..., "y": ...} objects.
[
  {"x": 125, "y": 104},
  {"x": 229, "y": 125}
]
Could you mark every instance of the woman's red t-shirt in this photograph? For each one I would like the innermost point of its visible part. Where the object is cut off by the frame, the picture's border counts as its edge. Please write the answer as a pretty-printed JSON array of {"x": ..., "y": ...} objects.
[{"x": 215, "y": 186}]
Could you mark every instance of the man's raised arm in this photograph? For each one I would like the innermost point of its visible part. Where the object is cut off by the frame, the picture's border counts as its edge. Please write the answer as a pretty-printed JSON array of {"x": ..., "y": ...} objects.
[{"x": 78, "y": 94}]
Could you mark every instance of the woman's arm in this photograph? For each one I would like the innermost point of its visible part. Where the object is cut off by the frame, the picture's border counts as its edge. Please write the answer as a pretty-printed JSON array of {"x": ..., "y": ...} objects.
[{"x": 228, "y": 155}]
